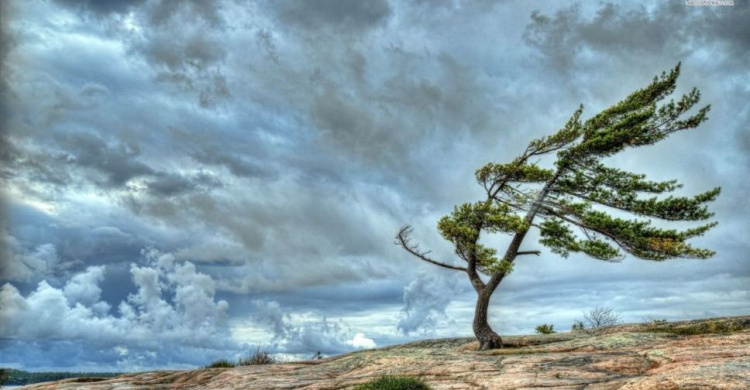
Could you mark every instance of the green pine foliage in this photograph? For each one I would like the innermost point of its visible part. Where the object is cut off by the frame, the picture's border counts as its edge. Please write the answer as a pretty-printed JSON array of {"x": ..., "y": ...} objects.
[{"x": 570, "y": 202}]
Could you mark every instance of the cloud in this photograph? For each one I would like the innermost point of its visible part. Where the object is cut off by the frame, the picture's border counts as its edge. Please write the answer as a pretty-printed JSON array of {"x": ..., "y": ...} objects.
[
  {"x": 101, "y": 7},
  {"x": 303, "y": 335},
  {"x": 189, "y": 59},
  {"x": 360, "y": 341},
  {"x": 84, "y": 287},
  {"x": 32, "y": 265},
  {"x": 174, "y": 311},
  {"x": 170, "y": 184},
  {"x": 425, "y": 301},
  {"x": 165, "y": 11},
  {"x": 340, "y": 16},
  {"x": 569, "y": 37},
  {"x": 117, "y": 163}
]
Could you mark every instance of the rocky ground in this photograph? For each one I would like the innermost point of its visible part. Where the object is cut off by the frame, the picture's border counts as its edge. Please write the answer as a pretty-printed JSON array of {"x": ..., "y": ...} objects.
[{"x": 702, "y": 354}]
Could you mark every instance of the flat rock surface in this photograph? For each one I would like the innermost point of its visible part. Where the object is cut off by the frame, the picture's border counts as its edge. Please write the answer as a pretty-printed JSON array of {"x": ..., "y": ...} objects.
[{"x": 664, "y": 356}]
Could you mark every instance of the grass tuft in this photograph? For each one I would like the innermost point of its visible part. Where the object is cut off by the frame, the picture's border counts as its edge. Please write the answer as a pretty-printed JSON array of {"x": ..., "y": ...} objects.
[
  {"x": 221, "y": 363},
  {"x": 388, "y": 382}
]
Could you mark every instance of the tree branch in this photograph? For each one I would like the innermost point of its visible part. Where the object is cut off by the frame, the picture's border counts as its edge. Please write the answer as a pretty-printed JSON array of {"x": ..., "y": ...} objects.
[
  {"x": 520, "y": 253},
  {"x": 512, "y": 252},
  {"x": 585, "y": 229},
  {"x": 403, "y": 240}
]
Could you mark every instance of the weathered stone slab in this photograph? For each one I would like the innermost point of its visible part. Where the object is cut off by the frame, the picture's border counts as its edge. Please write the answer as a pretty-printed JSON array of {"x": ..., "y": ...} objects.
[{"x": 667, "y": 356}]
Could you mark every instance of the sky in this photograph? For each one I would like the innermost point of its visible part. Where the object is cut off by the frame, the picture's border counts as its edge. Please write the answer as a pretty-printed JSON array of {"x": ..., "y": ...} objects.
[{"x": 189, "y": 181}]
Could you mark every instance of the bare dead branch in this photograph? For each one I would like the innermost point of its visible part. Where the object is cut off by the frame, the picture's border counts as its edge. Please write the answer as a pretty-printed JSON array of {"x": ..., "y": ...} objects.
[
  {"x": 403, "y": 240},
  {"x": 601, "y": 317}
]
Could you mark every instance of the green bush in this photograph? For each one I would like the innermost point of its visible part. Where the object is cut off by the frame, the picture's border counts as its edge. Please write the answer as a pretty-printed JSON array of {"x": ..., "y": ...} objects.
[
  {"x": 388, "y": 382},
  {"x": 545, "y": 329},
  {"x": 577, "y": 326},
  {"x": 221, "y": 363}
]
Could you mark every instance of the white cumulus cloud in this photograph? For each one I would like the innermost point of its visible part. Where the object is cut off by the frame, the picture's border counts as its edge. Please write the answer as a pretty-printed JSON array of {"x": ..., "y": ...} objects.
[
  {"x": 173, "y": 319},
  {"x": 362, "y": 342}
]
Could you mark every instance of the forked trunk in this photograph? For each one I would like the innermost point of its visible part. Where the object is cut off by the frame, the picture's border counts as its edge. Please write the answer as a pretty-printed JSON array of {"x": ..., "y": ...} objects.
[{"x": 487, "y": 337}]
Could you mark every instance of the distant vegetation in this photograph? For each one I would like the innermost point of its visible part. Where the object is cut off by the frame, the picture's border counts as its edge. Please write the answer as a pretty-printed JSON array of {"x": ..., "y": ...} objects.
[
  {"x": 221, "y": 363},
  {"x": 601, "y": 317},
  {"x": 597, "y": 319},
  {"x": 388, "y": 382},
  {"x": 545, "y": 329},
  {"x": 259, "y": 357},
  {"x": 693, "y": 329},
  {"x": 12, "y": 377}
]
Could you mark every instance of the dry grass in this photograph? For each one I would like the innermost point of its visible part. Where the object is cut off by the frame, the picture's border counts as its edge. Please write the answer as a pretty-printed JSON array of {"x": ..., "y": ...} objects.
[{"x": 259, "y": 357}]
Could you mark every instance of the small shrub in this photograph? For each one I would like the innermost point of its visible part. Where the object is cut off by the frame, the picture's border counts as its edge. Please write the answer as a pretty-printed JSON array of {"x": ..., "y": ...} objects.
[
  {"x": 577, "y": 326},
  {"x": 221, "y": 363},
  {"x": 388, "y": 382},
  {"x": 601, "y": 317},
  {"x": 259, "y": 357},
  {"x": 545, "y": 329},
  {"x": 654, "y": 321}
]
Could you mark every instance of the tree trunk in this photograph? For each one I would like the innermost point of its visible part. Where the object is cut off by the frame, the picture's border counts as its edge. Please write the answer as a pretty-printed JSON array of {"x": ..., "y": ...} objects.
[{"x": 487, "y": 337}]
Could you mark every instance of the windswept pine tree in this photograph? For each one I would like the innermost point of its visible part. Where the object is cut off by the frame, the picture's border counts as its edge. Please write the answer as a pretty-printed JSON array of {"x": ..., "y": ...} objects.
[{"x": 571, "y": 202}]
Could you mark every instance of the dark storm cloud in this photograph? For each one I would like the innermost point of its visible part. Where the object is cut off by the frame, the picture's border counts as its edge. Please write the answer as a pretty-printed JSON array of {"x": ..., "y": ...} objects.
[
  {"x": 101, "y": 7},
  {"x": 78, "y": 158},
  {"x": 159, "y": 11},
  {"x": 117, "y": 163},
  {"x": 670, "y": 27},
  {"x": 170, "y": 184},
  {"x": 448, "y": 100},
  {"x": 190, "y": 59},
  {"x": 41, "y": 249},
  {"x": 7, "y": 43},
  {"x": 237, "y": 163},
  {"x": 162, "y": 11},
  {"x": 341, "y": 16},
  {"x": 196, "y": 51}
]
